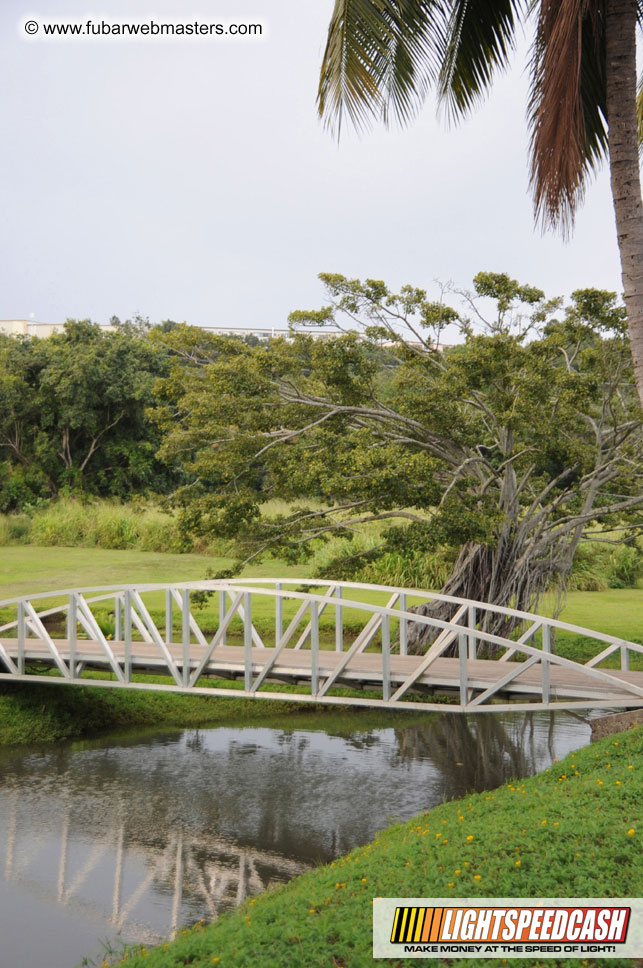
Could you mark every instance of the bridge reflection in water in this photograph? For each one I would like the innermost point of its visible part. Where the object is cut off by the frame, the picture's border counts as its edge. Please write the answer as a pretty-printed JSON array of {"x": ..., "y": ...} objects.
[
  {"x": 213, "y": 874},
  {"x": 141, "y": 836}
]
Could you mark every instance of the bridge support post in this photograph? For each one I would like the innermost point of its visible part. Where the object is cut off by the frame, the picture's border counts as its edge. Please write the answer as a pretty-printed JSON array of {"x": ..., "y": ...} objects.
[
  {"x": 22, "y": 634},
  {"x": 222, "y": 611},
  {"x": 386, "y": 658},
  {"x": 625, "y": 658},
  {"x": 127, "y": 634},
  {"x": 473, "y": 642},
  {"x": 462, "y": 655},
  {"x": 72, "y": 632},
  {"x": 169, "y": 621},
  {"x": 118, "y": 618},
  {"x": 545, "y": 663},
  {"x": 279, "y": 616},
  {"x": 247, "y": 639},
  {"x": 339, "y": 621},
  {"x": 314, "y": 648},
  {"x": 185, "y": 637}
]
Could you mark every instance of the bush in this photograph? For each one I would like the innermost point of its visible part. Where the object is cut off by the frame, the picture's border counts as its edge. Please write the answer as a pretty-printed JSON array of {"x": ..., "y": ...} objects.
[
  {"x": 70, "y": 523},
  {"x": 598, "y": 566},
  {"x": 363, "y": 558},
  {"x": 625, "y": 567}
]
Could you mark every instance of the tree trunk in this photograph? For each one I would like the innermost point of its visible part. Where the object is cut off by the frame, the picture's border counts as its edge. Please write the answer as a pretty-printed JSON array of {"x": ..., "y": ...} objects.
[
  {"x": 505, "y": 575},
  {"x": 620, "y": 33}
]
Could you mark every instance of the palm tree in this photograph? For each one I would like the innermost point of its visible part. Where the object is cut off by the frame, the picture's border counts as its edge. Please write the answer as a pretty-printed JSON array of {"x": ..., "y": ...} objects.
[{"x": 383, "y": 56}]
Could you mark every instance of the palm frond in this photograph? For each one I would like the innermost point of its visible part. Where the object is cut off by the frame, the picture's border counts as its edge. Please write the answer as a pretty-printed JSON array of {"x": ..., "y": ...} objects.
[
  {"x": 480, "y": 38},
  {"x": 567, "y": 106},
  {"x": 380, "y": 58}
]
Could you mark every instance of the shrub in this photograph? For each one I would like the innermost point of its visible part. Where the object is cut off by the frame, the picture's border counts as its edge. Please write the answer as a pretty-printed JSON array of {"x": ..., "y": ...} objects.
[
  {"x": 69, "y": 523},
  {"x": 600, "y": 566}
]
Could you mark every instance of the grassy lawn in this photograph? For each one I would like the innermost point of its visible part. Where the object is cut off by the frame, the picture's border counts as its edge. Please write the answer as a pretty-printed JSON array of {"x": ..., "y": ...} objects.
[
  {"x": 29, "y": 569},
  {"x": 617, "y": 611},
  {"x": 572, "y": 831}
]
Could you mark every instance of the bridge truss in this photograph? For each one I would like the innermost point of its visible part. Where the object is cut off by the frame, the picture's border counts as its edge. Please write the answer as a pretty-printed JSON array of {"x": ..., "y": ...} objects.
[{"x": 340, "y": 643}]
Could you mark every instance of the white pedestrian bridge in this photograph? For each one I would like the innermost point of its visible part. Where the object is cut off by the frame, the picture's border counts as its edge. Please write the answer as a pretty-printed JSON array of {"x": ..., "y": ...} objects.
[{"x": 340, "y": 643}]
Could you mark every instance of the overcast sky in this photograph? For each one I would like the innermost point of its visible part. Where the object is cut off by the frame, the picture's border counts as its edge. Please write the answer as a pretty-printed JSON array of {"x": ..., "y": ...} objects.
[{"x": 193, "y": 181}]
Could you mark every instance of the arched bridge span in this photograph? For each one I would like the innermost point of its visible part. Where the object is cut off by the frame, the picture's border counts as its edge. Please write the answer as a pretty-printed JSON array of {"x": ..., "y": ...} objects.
[{"x": 338, "y": 643}]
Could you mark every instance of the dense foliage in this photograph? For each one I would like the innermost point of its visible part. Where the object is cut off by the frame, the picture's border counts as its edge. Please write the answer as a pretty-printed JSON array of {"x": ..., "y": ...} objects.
[
  {"x": 73, "y": 414},
  {"x": 476, "y": 466},
  {"x": 505, "y": 446}
]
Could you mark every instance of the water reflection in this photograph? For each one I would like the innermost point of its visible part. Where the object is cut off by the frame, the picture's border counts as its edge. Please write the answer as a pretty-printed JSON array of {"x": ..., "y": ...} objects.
[{"x": 137, "y": 836}]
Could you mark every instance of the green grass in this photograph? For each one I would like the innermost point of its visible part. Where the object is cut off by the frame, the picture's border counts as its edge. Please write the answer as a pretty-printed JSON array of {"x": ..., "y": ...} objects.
[
  {"x": 572, "y": 831},
  {"x": 28, "y": 570},
  {"x": 616, "y": 611}
]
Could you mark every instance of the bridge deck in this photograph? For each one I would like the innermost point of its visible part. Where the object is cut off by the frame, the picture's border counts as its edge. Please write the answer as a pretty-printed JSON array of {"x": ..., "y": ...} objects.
[{"x": 363, "y": 669}]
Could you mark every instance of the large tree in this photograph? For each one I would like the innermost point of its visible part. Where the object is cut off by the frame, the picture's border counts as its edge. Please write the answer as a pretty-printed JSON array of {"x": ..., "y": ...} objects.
[
  {"x": 383, "y": 56},
  {"x": 506, "y": 446}
]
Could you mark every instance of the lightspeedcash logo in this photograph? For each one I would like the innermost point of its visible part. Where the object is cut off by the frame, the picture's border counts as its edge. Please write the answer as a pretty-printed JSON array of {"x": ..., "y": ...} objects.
[{"x": 501, "y": 927}]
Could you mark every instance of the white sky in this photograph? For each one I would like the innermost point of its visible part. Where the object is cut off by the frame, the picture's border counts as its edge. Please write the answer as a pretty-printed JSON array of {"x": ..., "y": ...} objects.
[{"x": 192, "y": 180}]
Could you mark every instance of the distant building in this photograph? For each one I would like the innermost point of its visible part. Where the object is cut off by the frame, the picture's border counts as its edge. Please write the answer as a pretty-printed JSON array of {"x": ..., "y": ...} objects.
[
  {"x": 28, "y": 327},
  {"x": 269, "y": 332}
]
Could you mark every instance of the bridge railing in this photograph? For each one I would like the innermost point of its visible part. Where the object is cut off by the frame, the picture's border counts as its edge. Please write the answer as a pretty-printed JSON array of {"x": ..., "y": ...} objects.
[{"x": 351, "y": 635}]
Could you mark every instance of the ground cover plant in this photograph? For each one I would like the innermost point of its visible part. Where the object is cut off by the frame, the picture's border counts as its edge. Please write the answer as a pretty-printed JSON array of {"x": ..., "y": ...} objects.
[{"x": 572, "y": 831}]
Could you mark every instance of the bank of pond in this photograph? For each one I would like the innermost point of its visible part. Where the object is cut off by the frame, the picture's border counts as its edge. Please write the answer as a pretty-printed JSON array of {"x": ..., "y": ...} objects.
[{"x": 272, "y": 828}]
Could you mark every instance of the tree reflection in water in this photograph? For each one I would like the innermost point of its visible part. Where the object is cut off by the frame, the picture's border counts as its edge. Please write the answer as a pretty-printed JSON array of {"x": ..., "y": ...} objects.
[
  {"x": 146, "y": 833},
  {"x": 475, "y": 753}
]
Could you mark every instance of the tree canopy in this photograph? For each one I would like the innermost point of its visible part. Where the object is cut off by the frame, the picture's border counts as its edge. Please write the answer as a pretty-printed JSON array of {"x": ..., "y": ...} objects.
[
  {"x": 506, "y": 445},
  {"x": 73, "y": 414},
  {"x": 383, "y": 56}
]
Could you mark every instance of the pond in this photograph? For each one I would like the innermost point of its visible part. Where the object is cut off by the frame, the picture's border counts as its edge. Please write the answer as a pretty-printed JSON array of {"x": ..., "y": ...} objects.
[{"x": 129, "y": 838}]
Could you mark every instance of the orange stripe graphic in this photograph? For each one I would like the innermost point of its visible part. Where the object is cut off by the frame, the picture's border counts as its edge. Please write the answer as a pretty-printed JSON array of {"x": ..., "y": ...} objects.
[
  {"x": 428, "y": 919},
  {"x": 436, "y": 929}
]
